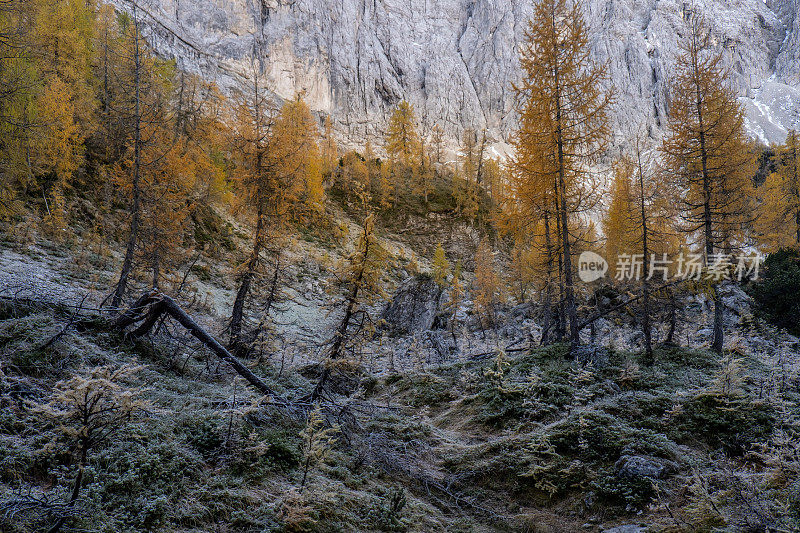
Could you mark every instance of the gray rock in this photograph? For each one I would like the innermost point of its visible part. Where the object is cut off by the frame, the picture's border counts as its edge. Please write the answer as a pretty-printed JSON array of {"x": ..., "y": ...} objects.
[
  {"x": 414, "y": 306},
  {"x": 643, "y": 466},
  {"x": 627, "y": 528},
  {"x": 705, "y": 332},
  {"x": 443, "y": 345},
  {"x": 526, "y": 310}
]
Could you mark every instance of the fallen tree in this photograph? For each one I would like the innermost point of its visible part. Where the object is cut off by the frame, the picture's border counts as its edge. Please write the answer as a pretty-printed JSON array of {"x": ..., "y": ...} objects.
[{"x": 152, "y": 305}]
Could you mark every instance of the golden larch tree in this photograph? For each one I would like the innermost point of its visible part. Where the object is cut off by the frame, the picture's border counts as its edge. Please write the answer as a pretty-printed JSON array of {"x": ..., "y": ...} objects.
[
  {"x": 440, "y": 266},
  {"x": 564, "y": 124},
  {"x": 487, "y": 288},
  {"x": 706, "y": 150},
  {"x": 778, "y": 223},
  {"x": 295, "y": 154},
  {"x": 402, "y": 138},
  {"x": 619, "y": 218}
]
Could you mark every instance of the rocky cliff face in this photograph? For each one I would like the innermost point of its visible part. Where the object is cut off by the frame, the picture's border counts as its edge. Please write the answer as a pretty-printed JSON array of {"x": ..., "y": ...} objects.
[{"x": 455, "y": 60}]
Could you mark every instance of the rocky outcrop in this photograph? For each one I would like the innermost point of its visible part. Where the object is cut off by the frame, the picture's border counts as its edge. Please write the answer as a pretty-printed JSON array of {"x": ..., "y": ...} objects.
[
  {"x": 455, "y": 60},
  {"x": 414, "y": 306}
]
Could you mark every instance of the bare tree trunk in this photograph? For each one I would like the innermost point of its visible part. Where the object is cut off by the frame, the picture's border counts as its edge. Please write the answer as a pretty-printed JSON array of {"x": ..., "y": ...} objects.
[
  {"x": 156, "y": 268},
  {"x": 130, "y": 249},
  {"x": 571, "y": 310},
  {"x": 673, "y": 319},
  {"x": 717, "y": 342},
  {"x": 237, "y": 315},
  {"x": 244, "y": 347},
  {"x": 561, "y": 324},
  {"x": 341, "y": 331},
  {"x": 479, "y": 171},
  {"x": 797, "y": 225},
  {"x": 76, "y": 489},
  {"x": 648, "y": 342},
  {"x": 339, "y": 337},
  {"x": 548, "y": 296},
  {"x": 160, "y": 304}
]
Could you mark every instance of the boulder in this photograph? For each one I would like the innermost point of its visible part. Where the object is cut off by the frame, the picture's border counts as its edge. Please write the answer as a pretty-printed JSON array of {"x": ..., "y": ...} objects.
[
  {"x": 643, "y": 466},
  {"x": 414, "y": 306}
]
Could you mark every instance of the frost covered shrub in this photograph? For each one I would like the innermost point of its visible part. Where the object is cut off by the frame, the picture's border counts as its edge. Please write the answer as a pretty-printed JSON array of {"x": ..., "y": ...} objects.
[
  {"x": 387, "y": 516},
  {"x": 261, "y": 451},
  {"x": 501, "y": 406},
  {"x": 622, "y": 491},
  {"x": 145, "y": 480},
  {"x": 206, "y": 437},
  {"x": 26, "y": 340},
  {"x": 732, "y": 424}
]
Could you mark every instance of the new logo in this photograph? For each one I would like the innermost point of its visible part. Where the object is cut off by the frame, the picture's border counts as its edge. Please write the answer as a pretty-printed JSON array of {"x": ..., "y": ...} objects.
[{"x": 591, "y": 267}]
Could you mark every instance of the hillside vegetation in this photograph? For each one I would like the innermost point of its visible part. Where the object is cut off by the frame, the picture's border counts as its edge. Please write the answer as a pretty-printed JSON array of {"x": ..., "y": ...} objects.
[{"x": 213, "y": 318}]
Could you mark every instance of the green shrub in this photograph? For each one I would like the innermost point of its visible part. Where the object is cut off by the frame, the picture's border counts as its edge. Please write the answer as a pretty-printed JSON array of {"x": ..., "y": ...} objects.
[
  {"x": 616, "y": 490},
  {"x": 551, "y": 472},
  {"x": 429, "y": 390},
  {"x": 387, "y": 515},
  {"x": 261, "y": 451},
  {"x": 206, "y": 437},
  {"x": 591, "y": 436},
  {"x": 141, "y": 482},
  {"x": 283, "y": 451},
  {"x": 732, "y": 424},
  {"x": 501, "y": 406},
  {"x": 776, "y": 293}
]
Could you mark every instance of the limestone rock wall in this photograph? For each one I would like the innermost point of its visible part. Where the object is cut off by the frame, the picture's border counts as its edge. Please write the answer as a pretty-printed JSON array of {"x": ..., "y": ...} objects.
[{"x": 455, "y": 60}]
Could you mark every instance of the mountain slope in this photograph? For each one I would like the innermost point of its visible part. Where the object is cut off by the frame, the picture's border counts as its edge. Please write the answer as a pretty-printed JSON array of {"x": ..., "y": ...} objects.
[{"x": 456, "y": 60}]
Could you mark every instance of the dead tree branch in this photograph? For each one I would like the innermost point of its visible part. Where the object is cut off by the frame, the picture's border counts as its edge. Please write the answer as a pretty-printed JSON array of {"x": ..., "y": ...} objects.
[{"x": 152, "y": 305}]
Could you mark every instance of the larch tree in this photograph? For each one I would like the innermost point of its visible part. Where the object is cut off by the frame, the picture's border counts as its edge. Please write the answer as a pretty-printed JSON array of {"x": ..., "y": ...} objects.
[
  {"x": 564, "y": 125},
  {"x": 706, "y": 151},
  {"x": 402, "y": 138},
  {"x": 487, "y": 283},
  {"x": 382, "y": 188},
  {"x": 46, "y": 98},
  {"x": 263, "y": 192},
  {"x": 154, "y": 130},
  {"x": 424, "y": 172},
  {"x": 465, "y": 183},
  {"x": 652, "y": 211},
  {"x": 139, "y": 103},
  {"x": 62, "y": 43},
  {"x": 17, "y": 69},
  {"x": 296, "y": 157},
  {"x": 402, "y": 143},
  {"x": 642, "y": 208},
  {"x": 328, "y": 148},
  {"x": 453, "y": 305},
  {"x": 530, "y": 216},
  {"x": 356, "y": 178},
  {"x": 495, "y": 182},
  {"x": 89, "y": 410},
  {"x": 279, "y": 167},
  {"x": 360, "y": 277},
  {"x": 437, "y": 143},
  {"x": 618, "y": 219},
  {"x": 779, "y": 222},
  {"x": 522, "y": 268},
  {"x": 441, "y": 266}
]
